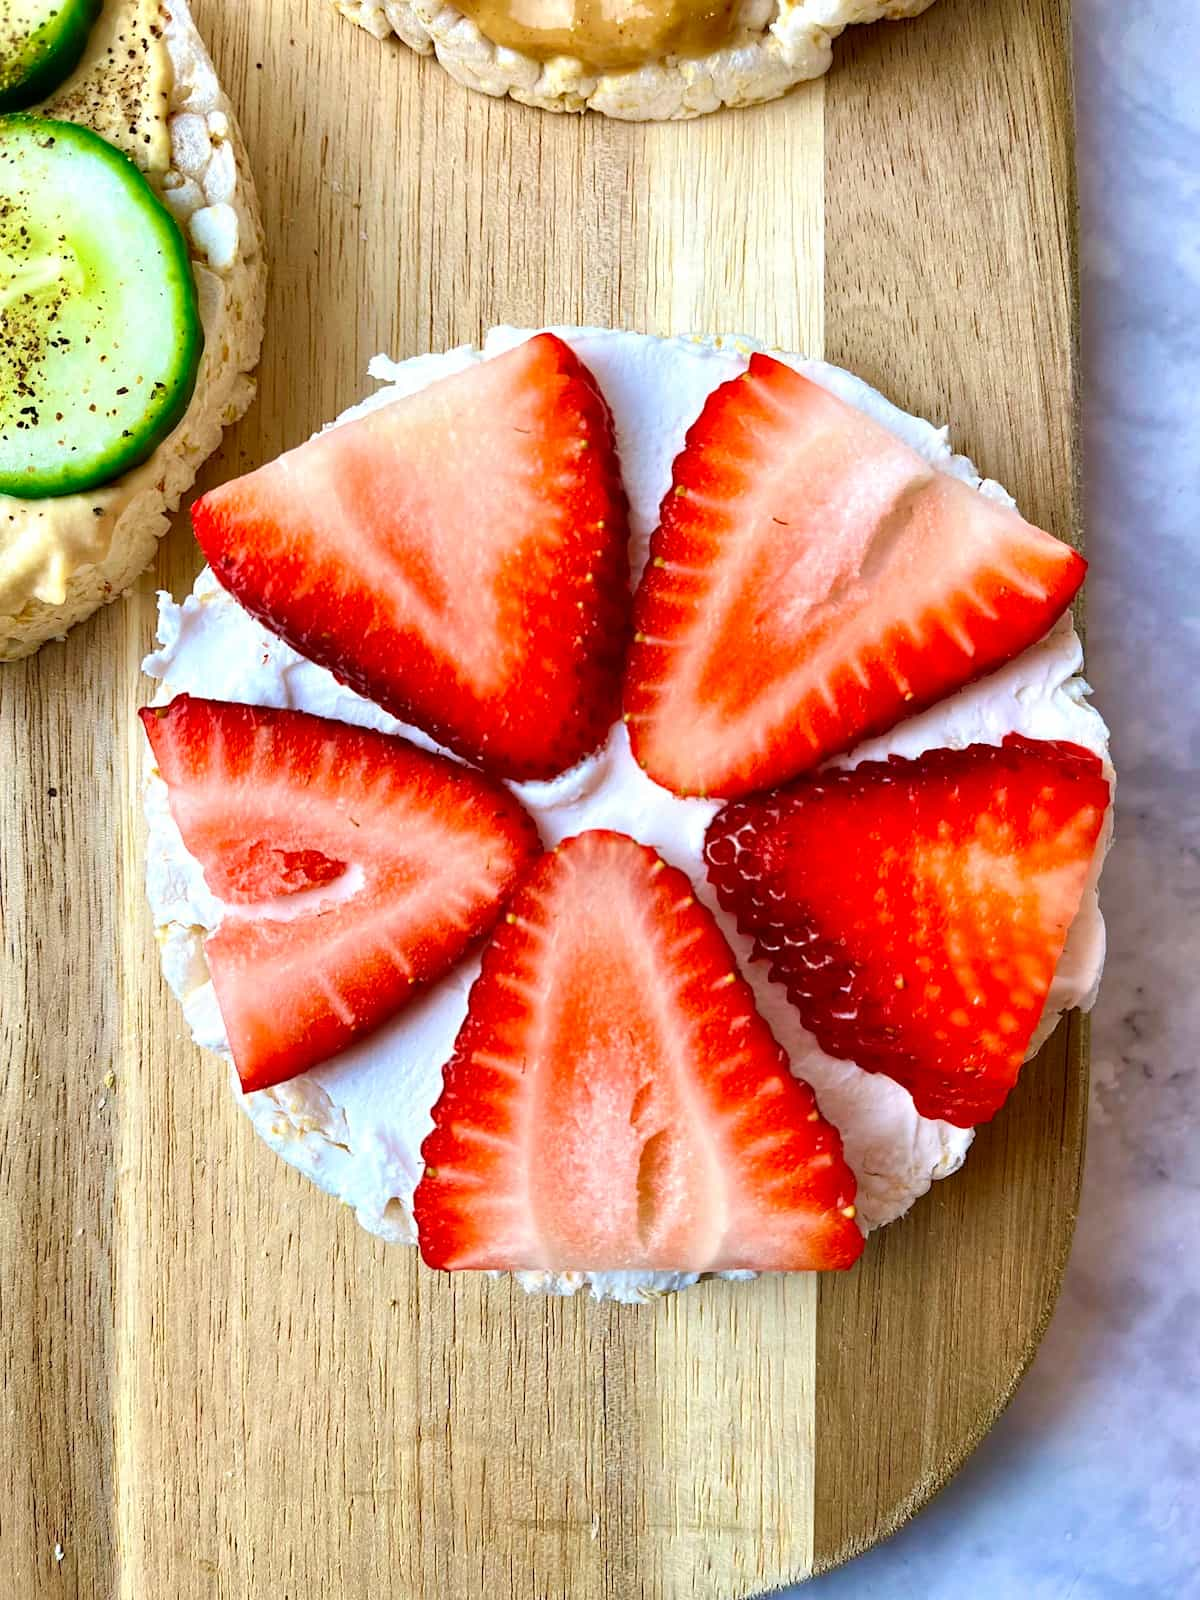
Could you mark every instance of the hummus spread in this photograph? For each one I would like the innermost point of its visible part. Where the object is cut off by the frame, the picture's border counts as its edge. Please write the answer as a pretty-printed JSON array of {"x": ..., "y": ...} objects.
[
  {"x": 146, "y": 85},
  {"x": 121, "y": 85}
]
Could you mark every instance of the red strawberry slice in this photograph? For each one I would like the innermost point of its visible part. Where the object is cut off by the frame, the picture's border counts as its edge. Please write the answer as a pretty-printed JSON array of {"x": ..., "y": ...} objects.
[
  {"x": 614, "y": 1099},
  {"x": 458, "y": 556},
  {"x": 813, "y": 580},
  {"x": 354, "y": 867},
  {"x": 915, "y": 911}
]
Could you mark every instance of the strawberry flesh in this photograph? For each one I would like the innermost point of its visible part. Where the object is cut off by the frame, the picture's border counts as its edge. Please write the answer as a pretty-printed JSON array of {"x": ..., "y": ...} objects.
[
  {"x": 459, "y": 556},
  {"x": 615, "y": 1101},
  {"x": 814, "y": 580},
  {"x": 354, "y": 869},
  {"x": 915, "y": 911}
]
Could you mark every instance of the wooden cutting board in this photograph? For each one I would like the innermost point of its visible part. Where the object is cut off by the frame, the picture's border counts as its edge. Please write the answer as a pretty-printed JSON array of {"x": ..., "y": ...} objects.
[{"x": 216, "y": 1386}]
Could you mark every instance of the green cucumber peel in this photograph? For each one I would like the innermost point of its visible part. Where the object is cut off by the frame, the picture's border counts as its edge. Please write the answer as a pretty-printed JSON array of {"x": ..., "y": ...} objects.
[
  {"x": 100, "y": 332},
  {"x": 41, "y": 44}
]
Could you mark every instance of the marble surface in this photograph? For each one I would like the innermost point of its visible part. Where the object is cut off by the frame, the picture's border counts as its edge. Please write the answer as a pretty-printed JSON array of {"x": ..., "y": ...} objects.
[{"x": 1089, "y": 1487}]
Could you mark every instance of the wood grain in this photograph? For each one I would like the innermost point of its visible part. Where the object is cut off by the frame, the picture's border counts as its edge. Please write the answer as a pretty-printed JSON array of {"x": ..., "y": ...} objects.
[
  {"x": 972, "y": 208},
  {"x": 215, "y": 1385}
]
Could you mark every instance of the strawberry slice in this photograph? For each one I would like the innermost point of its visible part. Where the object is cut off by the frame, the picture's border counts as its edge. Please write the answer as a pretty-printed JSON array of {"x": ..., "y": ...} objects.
[
  {"x": 813, "y": 580},
  {"x": 615, "y": 1100},
  {"x": 458, "y": 556},
  {"x": 354, "y": 868},
  {"x": 915, "y": 911}
]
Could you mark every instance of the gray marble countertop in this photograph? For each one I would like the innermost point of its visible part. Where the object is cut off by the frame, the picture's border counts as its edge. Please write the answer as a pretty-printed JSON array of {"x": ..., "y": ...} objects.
[{"x": 1089, "y": 1487}]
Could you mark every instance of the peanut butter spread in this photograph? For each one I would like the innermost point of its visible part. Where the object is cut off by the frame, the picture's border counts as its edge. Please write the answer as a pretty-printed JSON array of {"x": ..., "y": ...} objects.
[{"x": 605, "y": 35}]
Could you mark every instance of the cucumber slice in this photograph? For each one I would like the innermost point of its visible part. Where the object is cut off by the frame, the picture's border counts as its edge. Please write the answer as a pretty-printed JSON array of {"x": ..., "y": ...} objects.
[
  {"x": 100, "y": 334},
  {"x": 41, "y": 42}
]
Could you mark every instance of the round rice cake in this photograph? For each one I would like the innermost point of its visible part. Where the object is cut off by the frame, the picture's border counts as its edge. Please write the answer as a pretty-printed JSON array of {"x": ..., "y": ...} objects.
[
  {"x": 146, "y": 83},
  {"x": 739, "y": 54},
  {"x": 355, "y": 1124}
]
